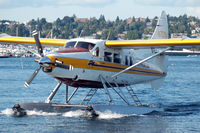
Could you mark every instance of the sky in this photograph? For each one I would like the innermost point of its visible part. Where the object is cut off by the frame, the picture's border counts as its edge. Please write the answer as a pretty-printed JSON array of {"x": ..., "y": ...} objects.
[{"x": 25, "y": 10}]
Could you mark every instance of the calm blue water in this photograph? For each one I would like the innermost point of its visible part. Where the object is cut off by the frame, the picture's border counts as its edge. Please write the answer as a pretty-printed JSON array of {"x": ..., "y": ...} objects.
[{"x": 179, "y": 96}]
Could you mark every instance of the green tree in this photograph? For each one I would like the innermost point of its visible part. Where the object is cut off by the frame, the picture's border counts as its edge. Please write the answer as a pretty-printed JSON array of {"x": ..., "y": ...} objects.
[
  {"x": 132, "y": 34},
  {"x": 109, "y": 34},
  {"x": 23, "y": 31},
  {"x": 147, "y": 20}
]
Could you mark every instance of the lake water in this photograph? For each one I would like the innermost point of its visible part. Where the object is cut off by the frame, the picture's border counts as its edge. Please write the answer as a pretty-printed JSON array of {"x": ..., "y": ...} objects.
[{"x": 179, "y": 96}]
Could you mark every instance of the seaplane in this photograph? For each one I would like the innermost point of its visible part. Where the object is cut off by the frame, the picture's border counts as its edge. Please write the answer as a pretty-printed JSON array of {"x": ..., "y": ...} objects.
[{"x": 95, "y": 64}]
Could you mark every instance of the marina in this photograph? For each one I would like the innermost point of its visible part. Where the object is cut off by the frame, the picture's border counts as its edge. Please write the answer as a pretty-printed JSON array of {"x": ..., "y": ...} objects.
[
  {"x": 183, "y": 52},
  {"x": 16, "y": 51}
]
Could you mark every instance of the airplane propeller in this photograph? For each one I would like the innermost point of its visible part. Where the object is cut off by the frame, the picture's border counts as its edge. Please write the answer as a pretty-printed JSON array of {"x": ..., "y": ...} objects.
[
  {"x": 43, "y": 61},
  {"x": 40, "y": 51}
]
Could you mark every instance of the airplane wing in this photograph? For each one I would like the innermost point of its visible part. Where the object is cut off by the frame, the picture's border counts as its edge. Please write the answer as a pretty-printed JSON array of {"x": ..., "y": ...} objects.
[
  {"x": 162, "y": 43},
  {"x": 26, "y": 40},
  {"x": 159, "y": 39}
]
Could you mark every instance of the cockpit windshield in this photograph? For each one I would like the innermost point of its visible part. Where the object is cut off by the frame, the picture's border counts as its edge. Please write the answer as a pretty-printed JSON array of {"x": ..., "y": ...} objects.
[
  {"x": 80, "y": 44},
  {"x": 70, "y": 44}
]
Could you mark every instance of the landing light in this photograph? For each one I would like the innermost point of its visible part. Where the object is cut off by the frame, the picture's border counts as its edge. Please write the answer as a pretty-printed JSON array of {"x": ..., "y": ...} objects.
[{"x": 58, "y": 61}]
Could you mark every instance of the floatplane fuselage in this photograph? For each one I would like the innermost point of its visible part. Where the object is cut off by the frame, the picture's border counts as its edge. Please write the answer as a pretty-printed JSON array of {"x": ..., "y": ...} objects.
[
  {"x": 94, "y": 64},
  {"x": 88, "y": 59}
]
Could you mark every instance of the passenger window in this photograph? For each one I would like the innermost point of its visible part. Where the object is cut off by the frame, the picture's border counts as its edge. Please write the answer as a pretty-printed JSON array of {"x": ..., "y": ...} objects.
[
  {"x": 126, "y": 60},
  {"x": 117, "y": 58},
  {"x": 131, "y": 61},
  {"x": 108, "y": 56}
]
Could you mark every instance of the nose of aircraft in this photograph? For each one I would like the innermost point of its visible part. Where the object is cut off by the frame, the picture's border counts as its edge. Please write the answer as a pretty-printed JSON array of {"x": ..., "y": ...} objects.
[{"x": 44, "y": 60}]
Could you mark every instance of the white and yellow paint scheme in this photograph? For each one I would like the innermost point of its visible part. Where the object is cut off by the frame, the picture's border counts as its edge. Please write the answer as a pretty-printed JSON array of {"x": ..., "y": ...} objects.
[
  {"x": 90, "y": 58},
  {"x": 88, "y": 65}
]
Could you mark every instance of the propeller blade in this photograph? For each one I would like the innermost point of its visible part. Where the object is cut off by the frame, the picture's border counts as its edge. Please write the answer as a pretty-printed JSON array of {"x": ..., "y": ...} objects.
[
  {"x": 38, "y": 44},
  {"x": 27, "y": 83}
]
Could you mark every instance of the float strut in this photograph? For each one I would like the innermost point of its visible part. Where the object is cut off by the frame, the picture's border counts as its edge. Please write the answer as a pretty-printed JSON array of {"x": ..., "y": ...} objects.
[
  {"x": 75, "y": 90},
  {"x": 48, "y": 100},
  {"x": 66, "y": 95}
]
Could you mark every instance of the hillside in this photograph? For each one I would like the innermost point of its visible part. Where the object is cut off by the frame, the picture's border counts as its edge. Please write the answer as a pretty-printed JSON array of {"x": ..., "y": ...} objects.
[{"x": 100, "y": 28}]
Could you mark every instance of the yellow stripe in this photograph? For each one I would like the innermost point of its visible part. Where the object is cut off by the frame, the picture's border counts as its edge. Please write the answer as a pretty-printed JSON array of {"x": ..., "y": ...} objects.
[
  {"x": 131, "y": 43},
  {"x": 83, "y": 63},
  {"x": 138, "y": 43},
  {"x": 32, "y": 41}
]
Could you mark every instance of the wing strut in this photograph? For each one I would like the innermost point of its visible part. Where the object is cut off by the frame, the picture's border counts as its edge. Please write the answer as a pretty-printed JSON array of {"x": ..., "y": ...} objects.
[{"x": 140, "y": 62}]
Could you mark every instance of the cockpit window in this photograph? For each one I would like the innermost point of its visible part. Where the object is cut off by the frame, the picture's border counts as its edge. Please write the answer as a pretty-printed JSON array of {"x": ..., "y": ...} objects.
[
  {"x": 70, "y": 44},
  {"x": 85, "y": 45}
]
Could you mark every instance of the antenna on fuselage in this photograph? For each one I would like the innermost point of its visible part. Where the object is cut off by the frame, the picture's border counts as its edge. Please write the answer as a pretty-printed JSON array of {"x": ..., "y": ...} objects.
[
  {"x": 80, "y": 34},
  {"x": 78, "y": 37}
]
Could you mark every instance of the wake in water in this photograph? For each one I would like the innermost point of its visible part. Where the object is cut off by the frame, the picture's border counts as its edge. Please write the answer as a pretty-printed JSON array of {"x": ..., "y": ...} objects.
[
  {"x": 7, "y": 112},
  {"x": 78, "y": 113},
  {"x": 171, "y": 110},
  {"x": 41, "y": 113},
  {"x": 110, "y": 115},
  {"x": 10, "y": 112},
  {"x": 71, "y": 114}
]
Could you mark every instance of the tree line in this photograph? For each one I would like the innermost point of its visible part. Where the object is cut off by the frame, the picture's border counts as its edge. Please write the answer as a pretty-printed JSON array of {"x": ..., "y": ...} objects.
[{"x": 100, "y": 28}]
